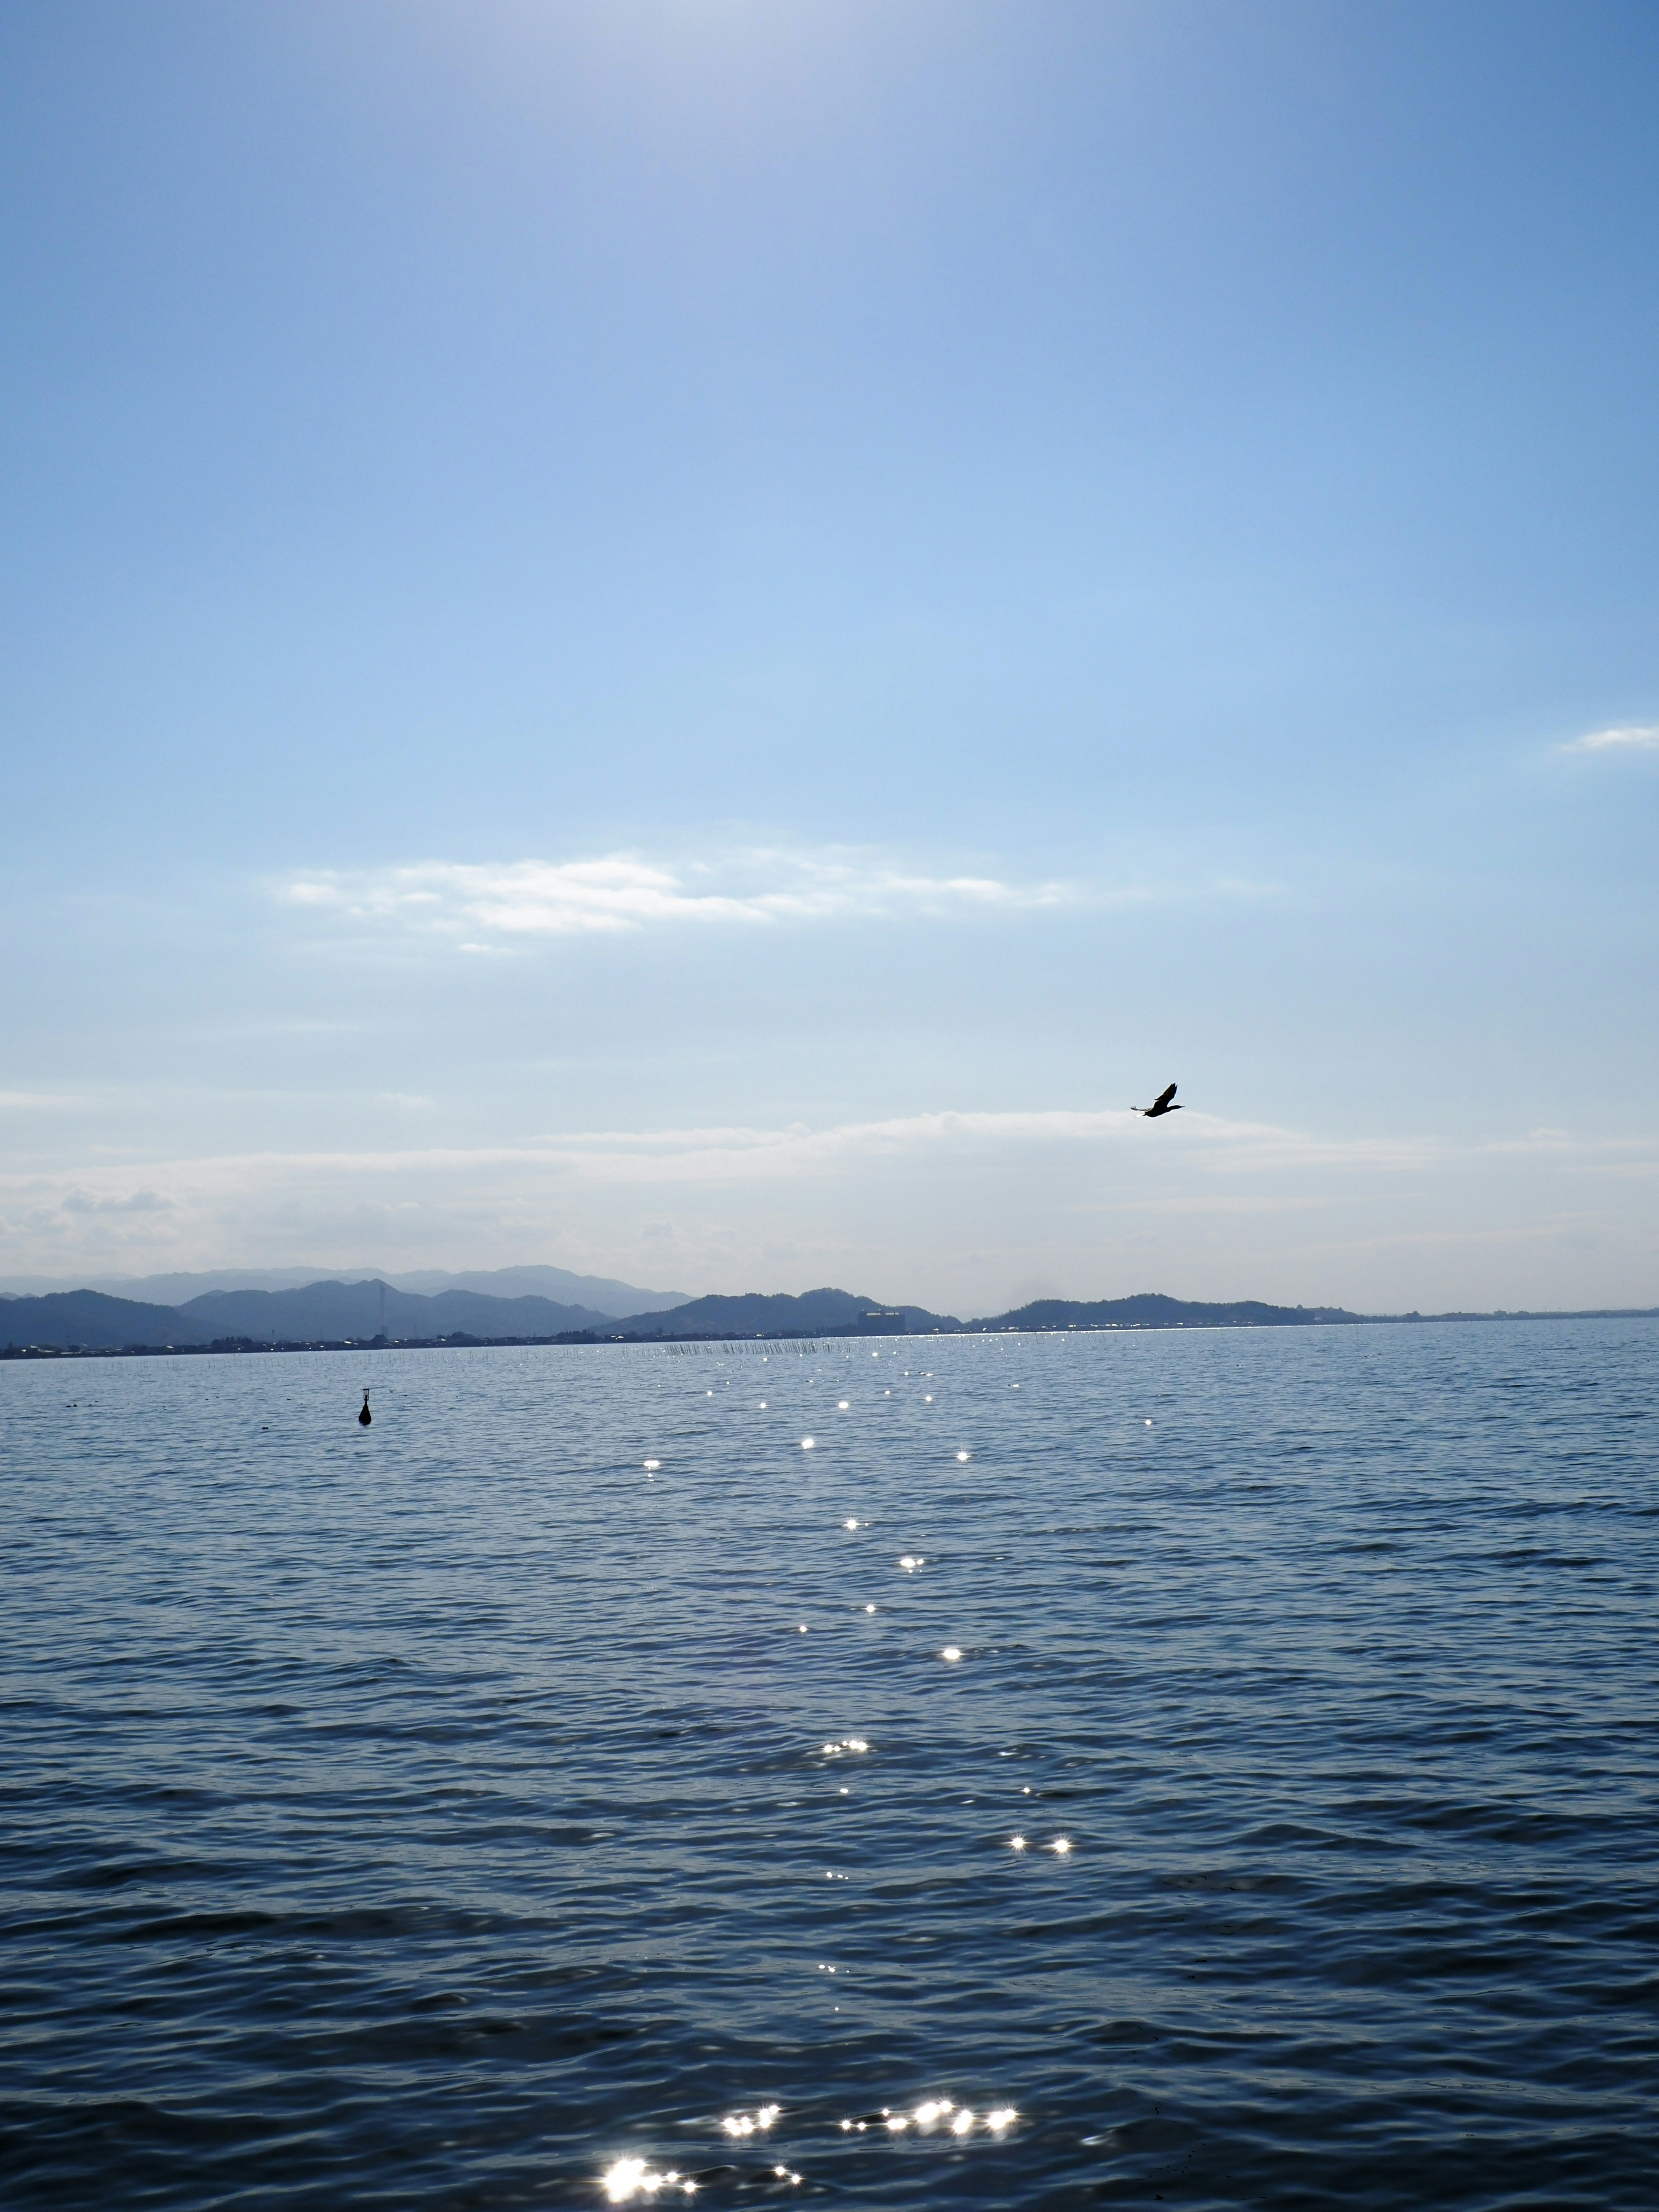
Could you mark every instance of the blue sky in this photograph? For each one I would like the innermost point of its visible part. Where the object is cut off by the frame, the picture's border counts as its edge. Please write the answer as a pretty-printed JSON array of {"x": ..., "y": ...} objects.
[{"x": 695, "y": 639}]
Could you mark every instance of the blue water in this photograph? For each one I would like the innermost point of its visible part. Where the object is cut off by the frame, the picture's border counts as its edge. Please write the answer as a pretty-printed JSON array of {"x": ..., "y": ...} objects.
[{"x": 449, "y": 1812}]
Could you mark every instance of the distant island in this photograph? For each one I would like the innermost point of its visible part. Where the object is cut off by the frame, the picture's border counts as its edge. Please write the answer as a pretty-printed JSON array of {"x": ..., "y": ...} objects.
[{"x": 374, "y": 1315}]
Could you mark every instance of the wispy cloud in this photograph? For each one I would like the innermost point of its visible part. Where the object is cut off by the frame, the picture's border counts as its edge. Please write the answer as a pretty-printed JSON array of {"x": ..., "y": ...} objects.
[
  {"x": 81, "y": 1201},
  {"x": 1628, "y": 738},
  {"x": 27, "y": 1101},
  {"x": 474, "y": 904},
  {"x": 954, "y": 1208},
  {"x": 1165, "y": 1162},
  {"x": 738, "y": 1154}
]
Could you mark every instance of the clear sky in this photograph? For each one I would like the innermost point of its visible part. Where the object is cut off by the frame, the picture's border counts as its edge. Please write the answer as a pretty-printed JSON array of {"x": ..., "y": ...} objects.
[{"x": 694, "y": 638}]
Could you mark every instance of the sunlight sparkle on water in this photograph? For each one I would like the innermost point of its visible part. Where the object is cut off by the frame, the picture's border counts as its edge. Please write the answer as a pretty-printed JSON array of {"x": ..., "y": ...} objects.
[
  {"x": 631, "y": 2177},
  {"x": 926, "y": 2115},
  {"x": 748, "y": 2124},
  {"x": 952, "y": 1652}
]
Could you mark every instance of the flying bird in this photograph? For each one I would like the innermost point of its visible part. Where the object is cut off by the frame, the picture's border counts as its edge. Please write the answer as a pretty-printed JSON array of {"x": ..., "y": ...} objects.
[{"x": 1160, "y": 1105}]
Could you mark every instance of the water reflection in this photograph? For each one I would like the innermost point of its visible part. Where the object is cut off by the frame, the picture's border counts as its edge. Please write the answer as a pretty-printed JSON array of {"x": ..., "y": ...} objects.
[
  {"x": 748, "y": 2124},
  {"x": 631, "y": 2178},
  {"x": 960, "y": 2120}
]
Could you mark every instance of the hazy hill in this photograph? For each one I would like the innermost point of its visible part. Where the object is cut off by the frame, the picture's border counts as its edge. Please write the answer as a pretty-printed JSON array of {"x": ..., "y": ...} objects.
[
  {"x": 91, "y": 1318},
  {"x": 1151, "y": 1310},
  {"x": 601, "y": 1294},
  {"x": 329, "y": 1311},
  {"x": 816, "y": 1311},
  {"x": 756, "y": 1315},
  {"x": 169, "y": 1289}
]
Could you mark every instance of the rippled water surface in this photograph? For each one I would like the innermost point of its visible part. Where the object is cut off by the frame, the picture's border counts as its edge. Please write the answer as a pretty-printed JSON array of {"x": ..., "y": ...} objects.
[{"x": 515, "y": 1801}]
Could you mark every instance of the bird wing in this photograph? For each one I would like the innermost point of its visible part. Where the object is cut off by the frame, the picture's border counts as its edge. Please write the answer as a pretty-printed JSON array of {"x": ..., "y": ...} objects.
[{"x": 1163, "y": 1098}]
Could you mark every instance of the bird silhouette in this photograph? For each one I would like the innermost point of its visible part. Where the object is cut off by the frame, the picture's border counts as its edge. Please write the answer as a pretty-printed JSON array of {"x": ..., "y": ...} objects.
[
  {"x": 1160, "y": 1105},
  {"x": 365, "y": 1416}
]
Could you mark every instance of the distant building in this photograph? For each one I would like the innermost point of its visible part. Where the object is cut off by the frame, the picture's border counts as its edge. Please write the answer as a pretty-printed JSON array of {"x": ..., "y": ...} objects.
[{"x": 884, "y": 1321}]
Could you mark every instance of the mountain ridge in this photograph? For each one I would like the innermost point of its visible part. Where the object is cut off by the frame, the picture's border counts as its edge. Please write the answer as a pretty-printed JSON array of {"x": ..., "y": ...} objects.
[
  {"x": 335, "y": 1313},
  {"x": 605, "y": 1294},
  {"x": 335, "y": 1310}
]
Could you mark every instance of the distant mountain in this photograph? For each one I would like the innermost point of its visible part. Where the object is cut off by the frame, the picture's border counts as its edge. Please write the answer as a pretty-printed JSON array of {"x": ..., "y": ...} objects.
[
  {"x": 816, "y": 1312},
  {"x": 333, "y": 1312},
  {"x": 1151, "y": 1310},
  {"x": 599, "y": 1293},
  {"x": 327, "y": 1312},
  {"x": 756, "y": 1315},
  {"x": 173, "y": 1289},
  {"x": 90, "y": 1318}
]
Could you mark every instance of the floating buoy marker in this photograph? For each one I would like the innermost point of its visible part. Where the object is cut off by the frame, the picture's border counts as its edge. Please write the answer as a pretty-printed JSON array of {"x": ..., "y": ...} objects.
[{"x": 365, "y": 1416}]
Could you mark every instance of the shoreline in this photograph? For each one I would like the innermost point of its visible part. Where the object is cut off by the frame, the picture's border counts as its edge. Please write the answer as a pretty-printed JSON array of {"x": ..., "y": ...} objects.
[{"x": 236, "y": 1347}]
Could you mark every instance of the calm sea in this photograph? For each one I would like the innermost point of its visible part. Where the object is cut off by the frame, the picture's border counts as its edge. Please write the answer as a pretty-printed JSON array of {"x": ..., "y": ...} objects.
[{"x": 575, "y": 1789}]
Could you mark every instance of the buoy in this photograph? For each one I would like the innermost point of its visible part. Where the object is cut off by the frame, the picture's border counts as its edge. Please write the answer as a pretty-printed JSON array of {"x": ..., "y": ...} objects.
[{"x": 365, "y": 1416}]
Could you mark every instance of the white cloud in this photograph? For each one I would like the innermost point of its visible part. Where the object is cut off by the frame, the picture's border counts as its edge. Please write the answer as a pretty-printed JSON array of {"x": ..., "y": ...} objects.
[
  {"x": 476, "y": 903},
  {"x": 1631, "y": 737}
]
